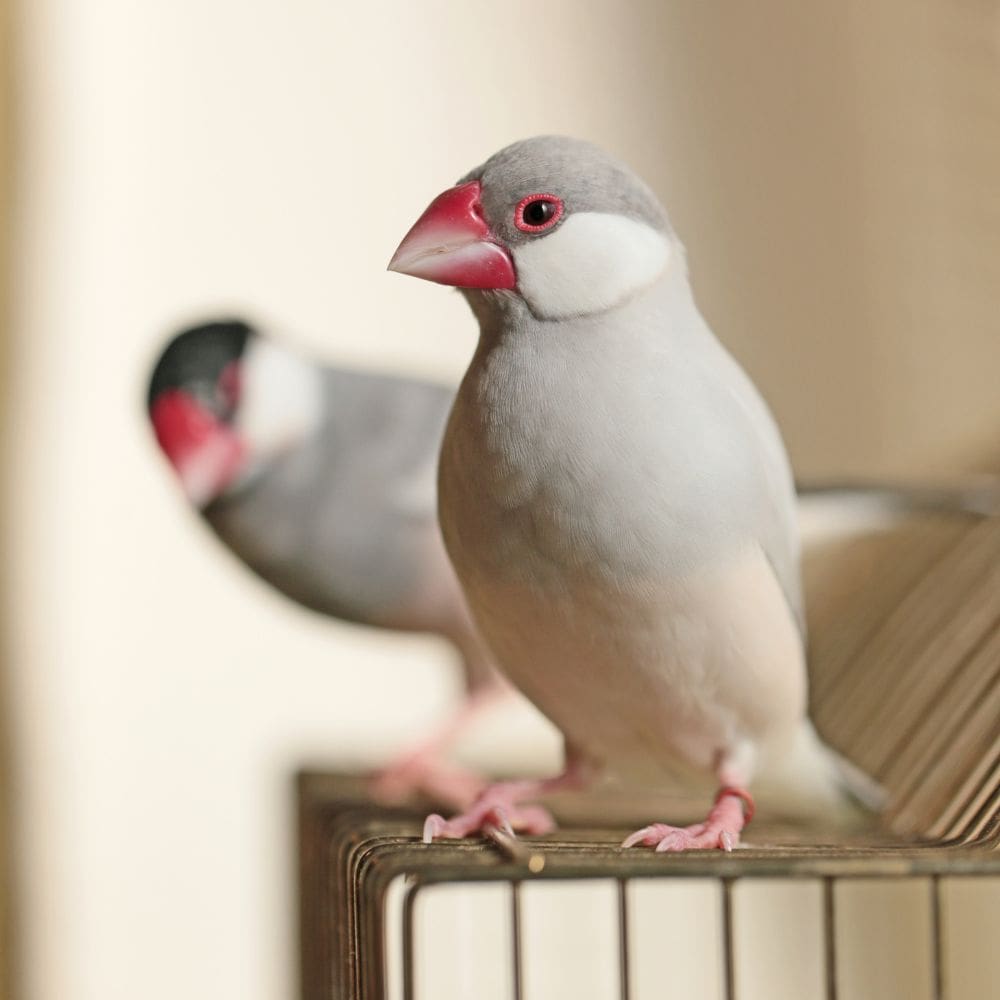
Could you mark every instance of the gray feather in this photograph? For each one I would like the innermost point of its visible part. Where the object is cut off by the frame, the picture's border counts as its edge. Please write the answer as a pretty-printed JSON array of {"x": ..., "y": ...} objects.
[{"x": 341, "y": 522}]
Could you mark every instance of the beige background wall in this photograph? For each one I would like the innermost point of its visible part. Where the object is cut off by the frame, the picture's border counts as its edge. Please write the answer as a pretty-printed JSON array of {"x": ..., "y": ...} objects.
[
  {"x": 6, "y": 159},
  {"x": 831, "y": 167}
]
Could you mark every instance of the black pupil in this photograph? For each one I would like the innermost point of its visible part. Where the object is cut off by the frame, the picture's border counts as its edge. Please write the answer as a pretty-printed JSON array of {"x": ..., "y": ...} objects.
[{"x": 537, "y": 213}]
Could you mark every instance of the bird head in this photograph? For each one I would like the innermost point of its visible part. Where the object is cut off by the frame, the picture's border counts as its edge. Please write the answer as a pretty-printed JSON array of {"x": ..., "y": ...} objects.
[
  {"x": 223, "y": 400},
  {"x": 554, "y": 222}
]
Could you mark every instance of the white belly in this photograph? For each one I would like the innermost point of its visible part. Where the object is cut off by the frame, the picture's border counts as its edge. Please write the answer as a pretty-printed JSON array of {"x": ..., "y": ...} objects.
[{"x": 685, "y": 670}]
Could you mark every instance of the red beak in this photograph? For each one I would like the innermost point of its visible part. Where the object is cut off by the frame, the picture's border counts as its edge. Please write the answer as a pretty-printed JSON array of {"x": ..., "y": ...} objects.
[
  {"x": 452, "y": 244},
  {"x": 205, "y": 454}
]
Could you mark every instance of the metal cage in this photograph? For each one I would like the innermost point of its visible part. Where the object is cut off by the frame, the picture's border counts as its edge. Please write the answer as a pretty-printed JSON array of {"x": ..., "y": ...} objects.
[{"x": 905, "y": 665}]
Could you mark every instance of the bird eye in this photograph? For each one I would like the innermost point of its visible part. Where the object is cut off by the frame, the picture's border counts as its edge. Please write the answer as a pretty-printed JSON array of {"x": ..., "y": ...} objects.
[{"x": 537, "y": 212}]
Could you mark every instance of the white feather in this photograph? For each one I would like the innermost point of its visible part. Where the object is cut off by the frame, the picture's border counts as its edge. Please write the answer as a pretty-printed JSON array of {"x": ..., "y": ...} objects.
[
  {"x": 281, "y": 399},
  {"x": 592, "y": 262},
  {"x": 668, "y": 671}
]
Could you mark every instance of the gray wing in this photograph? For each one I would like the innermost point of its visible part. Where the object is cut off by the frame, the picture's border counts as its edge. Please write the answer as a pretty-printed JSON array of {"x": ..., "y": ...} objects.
[
  {"x": 343, "y": 522},
  {"x": 773, "y": 513},
  {"x": 778, "y": 529},
  {"x": 786, "y": 569}
]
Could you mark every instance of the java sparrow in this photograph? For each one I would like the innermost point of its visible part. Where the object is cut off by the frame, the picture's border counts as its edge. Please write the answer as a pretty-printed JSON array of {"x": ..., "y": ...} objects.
[
  {"x": 617, "y": 501},
  {"x": 322, "y": 481}
]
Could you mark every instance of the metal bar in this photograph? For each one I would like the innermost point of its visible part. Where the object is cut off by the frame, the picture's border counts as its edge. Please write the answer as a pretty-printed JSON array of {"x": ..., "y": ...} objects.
[
  {"x": 513, "y": 849},
  {"x": 937, "y": 968},
  {"x": 408, "y": 944},
  {"x": 729, "y": 975},
  {"x": 353, "y": 850},
  {"x": 515, "y": 939},
  {"x": 626, "y": 988},
  {"x": 829, "y": 939}
]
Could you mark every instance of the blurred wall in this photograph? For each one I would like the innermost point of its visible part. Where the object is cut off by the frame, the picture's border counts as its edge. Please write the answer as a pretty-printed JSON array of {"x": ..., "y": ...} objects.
[{"x": 831, "y": 169}]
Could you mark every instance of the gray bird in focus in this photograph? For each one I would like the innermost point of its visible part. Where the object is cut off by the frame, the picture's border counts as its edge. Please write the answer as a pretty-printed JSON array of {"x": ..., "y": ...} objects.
[
  {"x": 617, "y": 502},
  {"x": 322, "y": 481}
]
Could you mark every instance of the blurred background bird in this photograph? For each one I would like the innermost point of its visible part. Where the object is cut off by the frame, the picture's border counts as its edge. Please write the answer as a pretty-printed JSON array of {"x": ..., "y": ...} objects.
[{"x": 322, "y": 481}]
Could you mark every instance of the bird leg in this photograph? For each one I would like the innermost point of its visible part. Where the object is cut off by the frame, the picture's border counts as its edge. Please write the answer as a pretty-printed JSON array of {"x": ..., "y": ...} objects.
[
  {"x": 500, "y": 805},
  {"x": 732, "y": 811},
  {"x": 424, "y": 769}
]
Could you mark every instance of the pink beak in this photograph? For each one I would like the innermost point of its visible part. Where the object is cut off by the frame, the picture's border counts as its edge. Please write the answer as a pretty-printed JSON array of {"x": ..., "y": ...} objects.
[{"x": 452, "y": 245}]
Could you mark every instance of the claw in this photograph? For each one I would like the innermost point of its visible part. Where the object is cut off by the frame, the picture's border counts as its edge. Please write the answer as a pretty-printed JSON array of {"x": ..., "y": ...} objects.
[
  {"x": 434, "y": 826},
  {"x": 639, "y": 837},
  {"x": 671, "y": 842}
]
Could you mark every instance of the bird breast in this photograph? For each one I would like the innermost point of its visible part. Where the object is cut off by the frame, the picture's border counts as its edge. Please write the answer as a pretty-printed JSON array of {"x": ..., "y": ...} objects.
[
  {"x": 600, "y": 503},
  {"x": 563, "y": 456}
]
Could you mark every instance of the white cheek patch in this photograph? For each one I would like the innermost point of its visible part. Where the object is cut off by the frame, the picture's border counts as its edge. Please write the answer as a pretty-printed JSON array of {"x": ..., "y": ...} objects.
[
  {"x": 592, "y": 262},
  {"x": 281, "y": 398}
]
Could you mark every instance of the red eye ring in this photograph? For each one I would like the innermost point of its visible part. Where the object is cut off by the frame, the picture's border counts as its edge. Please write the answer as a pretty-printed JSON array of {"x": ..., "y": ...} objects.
[{"x": 547, "y": 223}]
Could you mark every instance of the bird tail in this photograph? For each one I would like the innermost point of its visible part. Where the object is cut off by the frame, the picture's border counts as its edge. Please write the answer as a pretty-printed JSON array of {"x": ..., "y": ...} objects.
[
  {"x": 808, "y": 781},
  {"x": 835, "y": 509}
]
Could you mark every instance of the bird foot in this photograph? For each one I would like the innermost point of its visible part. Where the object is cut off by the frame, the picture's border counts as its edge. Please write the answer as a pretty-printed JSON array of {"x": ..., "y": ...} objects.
[
  {"x": 496, "y": 807},
  {"x": 425, "y": 770},
  {"x": 429, "y": 775},
  {"x": 721, "y": 830},
  {"x": 699, "y": 836}
]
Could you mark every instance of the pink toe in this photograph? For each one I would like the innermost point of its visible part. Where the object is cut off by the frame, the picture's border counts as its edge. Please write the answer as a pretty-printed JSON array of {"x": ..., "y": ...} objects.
[
  {"x": 498, "y": 818},
  {"x": 509, "y": 818},
  {"x": 668, "y": 839},
  {"x": 647, "y": 836},
  {"x": 675, "y": 841},
  {"x": 535, "y": 821}
]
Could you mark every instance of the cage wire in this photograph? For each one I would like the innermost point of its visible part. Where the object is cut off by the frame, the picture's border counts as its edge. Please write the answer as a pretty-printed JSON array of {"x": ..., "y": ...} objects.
[{"x": 905, "y": 681}]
